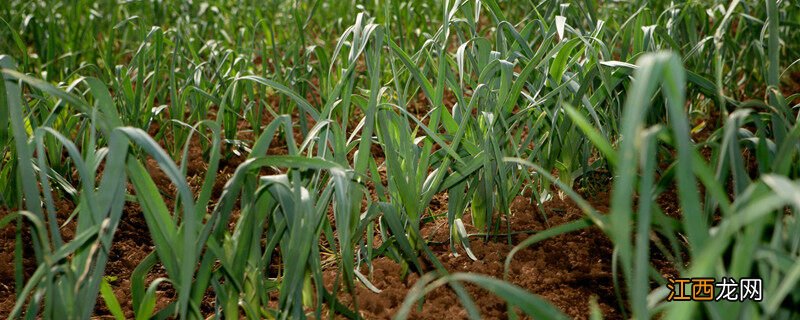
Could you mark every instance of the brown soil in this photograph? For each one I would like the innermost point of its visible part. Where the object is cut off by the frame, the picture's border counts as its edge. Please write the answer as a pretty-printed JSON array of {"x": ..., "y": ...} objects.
[
  {"x": 7, "y": 245},
  {"x": 566, "y": 270},
  {"x": 7, "y": 277}
]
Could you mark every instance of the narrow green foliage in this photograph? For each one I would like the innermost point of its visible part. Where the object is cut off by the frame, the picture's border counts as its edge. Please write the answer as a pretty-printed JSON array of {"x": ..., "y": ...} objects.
[{"x": 279, "y": 153}]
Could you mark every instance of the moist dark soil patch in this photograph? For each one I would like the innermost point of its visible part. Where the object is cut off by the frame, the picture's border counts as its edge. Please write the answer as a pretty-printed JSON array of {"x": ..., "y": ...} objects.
[
  {"x": 64, "y": 209},
  {"x": 7, "y": 276}
]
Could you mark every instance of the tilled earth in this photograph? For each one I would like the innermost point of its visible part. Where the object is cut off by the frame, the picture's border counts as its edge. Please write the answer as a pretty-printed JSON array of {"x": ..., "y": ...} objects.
[{"x": 567, "y": 270}]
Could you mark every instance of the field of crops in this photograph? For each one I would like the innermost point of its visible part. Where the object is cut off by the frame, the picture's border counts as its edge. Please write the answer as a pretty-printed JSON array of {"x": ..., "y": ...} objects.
[{"x": 399, "y": 159}]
